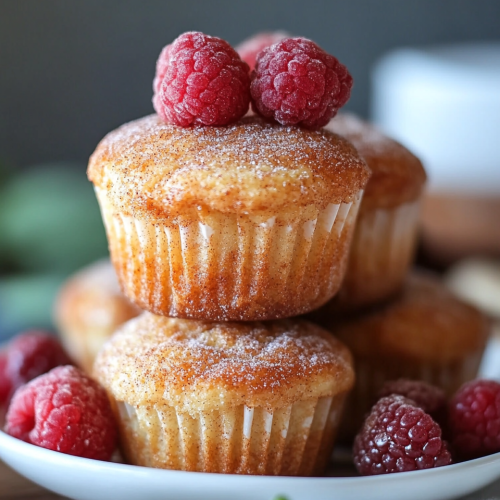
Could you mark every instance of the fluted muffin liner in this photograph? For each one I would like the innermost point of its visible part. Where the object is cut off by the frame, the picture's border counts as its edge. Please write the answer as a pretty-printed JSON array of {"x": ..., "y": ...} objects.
[
  {"x": 371, "y": 374},
  {"x": 382, "y": 251},
  {"x": 295, "y": 440},
  {"x": 220, "y": 266}
]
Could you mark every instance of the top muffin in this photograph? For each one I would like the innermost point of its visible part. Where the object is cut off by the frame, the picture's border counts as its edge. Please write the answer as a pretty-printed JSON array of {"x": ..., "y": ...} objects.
[{"x": 248, "y": 221}]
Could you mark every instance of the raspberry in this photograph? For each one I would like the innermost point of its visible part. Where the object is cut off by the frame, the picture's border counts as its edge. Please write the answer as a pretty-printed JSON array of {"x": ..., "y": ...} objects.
[
  {"x": 295, "y": 82},
  {"x": 31, "y": 354},
  {"x": 65, "y": 411},
  {"x": 5, "y": 385},
  {"x": 430, "y": 398},
  {"x": 474, "y": 419},
  {"x": 249, "y": 48},
  {"x": 398, "y": 436},
  {"x": 205, "y": 82}
]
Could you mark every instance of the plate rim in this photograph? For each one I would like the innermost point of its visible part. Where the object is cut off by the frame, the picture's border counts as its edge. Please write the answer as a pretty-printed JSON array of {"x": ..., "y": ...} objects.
[{"x": 34, "y": 453}]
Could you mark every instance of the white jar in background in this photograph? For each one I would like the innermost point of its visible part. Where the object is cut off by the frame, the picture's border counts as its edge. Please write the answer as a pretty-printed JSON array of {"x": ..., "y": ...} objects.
[{"x": 444, "y": 104}]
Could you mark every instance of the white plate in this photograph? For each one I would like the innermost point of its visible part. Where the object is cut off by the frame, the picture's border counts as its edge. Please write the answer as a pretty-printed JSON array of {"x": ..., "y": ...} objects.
[{"x": 84, "y": 479}]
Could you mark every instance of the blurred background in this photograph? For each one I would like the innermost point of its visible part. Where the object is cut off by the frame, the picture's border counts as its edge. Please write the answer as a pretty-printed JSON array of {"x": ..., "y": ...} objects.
[{"x": 72, "y": 71}]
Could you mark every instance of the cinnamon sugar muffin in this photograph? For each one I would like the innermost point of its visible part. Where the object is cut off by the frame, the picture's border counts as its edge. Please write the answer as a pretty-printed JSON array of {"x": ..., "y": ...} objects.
[
  {"x": 245, "y": 398},
  {"x": 89, "y": 308},
  {"x": 384, "y": 241},
  {"x": 426, "y": 333},
  {"x": 248, "y": 221}
]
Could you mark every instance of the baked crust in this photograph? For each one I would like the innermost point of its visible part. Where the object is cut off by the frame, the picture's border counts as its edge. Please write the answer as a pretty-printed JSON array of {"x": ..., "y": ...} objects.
[
  {"x": 201, "y": 366},
  {"x": 398, "y": 176},
  {"x": 150, "y": 169},
  {"x": 426, "y": 323}
]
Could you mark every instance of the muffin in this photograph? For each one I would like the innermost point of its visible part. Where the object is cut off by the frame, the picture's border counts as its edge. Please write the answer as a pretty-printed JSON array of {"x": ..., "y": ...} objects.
[
  {"x": 384, "y": 241},
  {"x": 245, "y": 398},
  {"x": 89, "y": 308},
  {"x": 248, "y": 221},
  {"x": 426, "y": 333}
]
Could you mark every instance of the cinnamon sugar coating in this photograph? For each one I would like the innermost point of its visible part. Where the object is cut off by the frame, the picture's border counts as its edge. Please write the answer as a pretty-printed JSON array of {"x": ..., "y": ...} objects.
[
  {"x": 158, "y": 171},
  {"x": 203, "y": 366},
  {"x": 397, "y": 175},
  {"x": 426, "y": 323}
]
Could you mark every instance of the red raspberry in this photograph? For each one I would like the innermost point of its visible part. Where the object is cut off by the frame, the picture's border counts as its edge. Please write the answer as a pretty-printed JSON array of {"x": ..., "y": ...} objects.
[
  {"x": 430, "y": 398},
  {"x": 5, "y": 385},
  {"x": 249, "y": 48},
  {"x": 66, "y": 411},
  {"x": 398, "y": 436},
  {"x": 31, "y": 354},
  {"x": 474, "y": 419},
  {"x": 205, "y": 83},
  {"x": 295, "y": 82}
]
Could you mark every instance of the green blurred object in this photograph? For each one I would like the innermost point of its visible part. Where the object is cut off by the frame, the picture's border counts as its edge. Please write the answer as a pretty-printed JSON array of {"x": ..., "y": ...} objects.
[
  {"x": 27, "y": 302},
  {"x": 50, "y": 220}
]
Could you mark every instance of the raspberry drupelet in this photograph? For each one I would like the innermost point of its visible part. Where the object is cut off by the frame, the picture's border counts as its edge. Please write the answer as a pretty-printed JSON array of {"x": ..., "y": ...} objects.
[
  {"x": 295, "y": 82},
  {"x": 474, "y": 419},
  {"x": 398, "y": 436},
  {"x": 65, "y": 411},
  {"x": 201, "y": 80}
]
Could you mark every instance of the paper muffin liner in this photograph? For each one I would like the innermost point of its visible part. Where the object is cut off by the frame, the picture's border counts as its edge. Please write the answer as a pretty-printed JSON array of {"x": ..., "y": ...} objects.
[
  {"x": 371, "y": 374},
  {"x": 295, "y": 440},
  {"x": 382, "y": 251},
  {"x": 232, "y": 267}
]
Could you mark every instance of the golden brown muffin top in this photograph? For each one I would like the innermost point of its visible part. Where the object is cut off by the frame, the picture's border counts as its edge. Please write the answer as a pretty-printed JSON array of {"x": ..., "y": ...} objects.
[
  {"x": 397, "y": 175},
  {"x": 92, "y": 299},
  {"x": 151, "y": 169},
  {"x": 426, "y": 322},
  {"x": 197, "y": 365}
]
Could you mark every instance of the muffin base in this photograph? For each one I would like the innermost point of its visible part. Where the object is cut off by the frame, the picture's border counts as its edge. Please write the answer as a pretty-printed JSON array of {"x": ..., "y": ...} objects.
[
  {"x": 216, "y": 266},
  {"x": 295, "y": 440},
  {"x": 382, "y": 250}
]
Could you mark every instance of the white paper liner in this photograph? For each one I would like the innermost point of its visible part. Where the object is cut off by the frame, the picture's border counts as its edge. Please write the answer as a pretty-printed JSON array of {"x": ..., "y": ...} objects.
[
  {"x": 232, "y": 267},
  {"x": 372, "y": 374},
  {"x": 382, "y": 251},
  {"x": 295, "y": 440}
]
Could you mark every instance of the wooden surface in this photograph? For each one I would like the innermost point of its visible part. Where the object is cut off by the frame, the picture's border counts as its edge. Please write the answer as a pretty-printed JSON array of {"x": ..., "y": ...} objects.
[{"x": 15, "y": 487}]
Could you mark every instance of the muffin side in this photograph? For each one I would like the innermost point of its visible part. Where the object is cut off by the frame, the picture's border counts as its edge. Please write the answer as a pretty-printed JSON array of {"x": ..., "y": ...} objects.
[{"x": 88, "y": 309}]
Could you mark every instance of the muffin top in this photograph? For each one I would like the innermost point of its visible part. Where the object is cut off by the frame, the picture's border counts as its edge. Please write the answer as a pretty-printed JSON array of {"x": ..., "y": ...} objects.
[
  {"x": 426, "y": 322},
  {"x": 397, "y": 175},
  {"x": 92, "y": 299},
  {"x": 154, "y": 170},
  {"x": 197, "y": 365}
]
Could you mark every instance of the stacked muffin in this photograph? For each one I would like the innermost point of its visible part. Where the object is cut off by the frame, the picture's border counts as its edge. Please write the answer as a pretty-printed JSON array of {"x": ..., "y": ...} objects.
[
  {"x": 398, "y": 323},
  {"x": 250, "y": 221}
]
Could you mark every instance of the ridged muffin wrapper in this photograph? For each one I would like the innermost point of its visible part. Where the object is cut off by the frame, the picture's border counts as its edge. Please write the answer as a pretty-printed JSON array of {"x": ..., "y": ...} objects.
[
  {"x": 232, "y": 267},
  {"x": 295, "y": 440},
  {"x": 382, "y": 250},
  {"x": 371, "y": 374}
]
